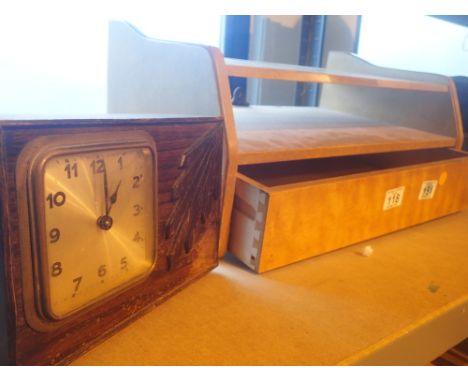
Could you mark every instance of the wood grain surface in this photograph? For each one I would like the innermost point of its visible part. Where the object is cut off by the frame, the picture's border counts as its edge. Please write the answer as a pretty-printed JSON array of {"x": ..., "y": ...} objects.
[
  {"x": 269, "y": 134},
  {"x": 318, "y": 206}
]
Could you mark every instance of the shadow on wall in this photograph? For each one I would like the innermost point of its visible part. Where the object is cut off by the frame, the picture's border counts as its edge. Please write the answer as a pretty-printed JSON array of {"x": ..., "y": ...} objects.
[
  {"x": 274, "y": 39},
  {"x": 341, "y": 34},
  {"x": 461, "y": 84},
  {"x": 278, "y": 39}
]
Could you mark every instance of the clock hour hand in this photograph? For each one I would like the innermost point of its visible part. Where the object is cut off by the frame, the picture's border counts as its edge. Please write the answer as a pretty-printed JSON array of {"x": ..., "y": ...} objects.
[{"x": 113, "y": 198}]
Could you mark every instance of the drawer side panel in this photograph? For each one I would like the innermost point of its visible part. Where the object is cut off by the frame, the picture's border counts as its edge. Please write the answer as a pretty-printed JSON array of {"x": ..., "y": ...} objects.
[{"x": 247, "y": 224}]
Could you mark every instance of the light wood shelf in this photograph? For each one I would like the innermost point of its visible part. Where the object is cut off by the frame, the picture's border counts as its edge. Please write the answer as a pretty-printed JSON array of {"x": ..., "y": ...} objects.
[
  {"x": 276, "y": 134},
  {"x": 285, "y": 72}
]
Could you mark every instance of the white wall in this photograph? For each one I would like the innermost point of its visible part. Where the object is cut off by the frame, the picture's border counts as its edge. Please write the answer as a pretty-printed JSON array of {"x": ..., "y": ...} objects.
[
  {"x": 52, "y": 64},
  {"x": 274, "y": 39},
  {"x": 340, "y": 34},
  {"x": 53, "y": 54},
  {"x": 413, "y": 42},
  {"x": 278, "y": 38}
]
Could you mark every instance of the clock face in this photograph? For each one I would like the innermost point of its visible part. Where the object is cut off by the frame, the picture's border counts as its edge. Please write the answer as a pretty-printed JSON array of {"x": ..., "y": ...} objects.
[{"x": 95, "y": 224}]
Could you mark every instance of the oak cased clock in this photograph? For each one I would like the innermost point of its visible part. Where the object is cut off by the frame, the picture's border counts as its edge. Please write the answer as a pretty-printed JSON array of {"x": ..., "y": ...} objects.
[{"x": 101, "y": 220}]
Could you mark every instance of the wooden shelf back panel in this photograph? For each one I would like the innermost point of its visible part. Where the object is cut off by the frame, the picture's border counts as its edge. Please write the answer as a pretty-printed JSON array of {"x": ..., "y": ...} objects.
[
  {"x": 285, "y": 72},
  {"x": 433, "y": 112},
  {"x": 276, "y": 134}
]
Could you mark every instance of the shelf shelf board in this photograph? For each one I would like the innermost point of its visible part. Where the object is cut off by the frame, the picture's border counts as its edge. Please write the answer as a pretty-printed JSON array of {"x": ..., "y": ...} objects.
[
  {"x": 276, "y": 134},
  {"x": 285, "y": 72}
]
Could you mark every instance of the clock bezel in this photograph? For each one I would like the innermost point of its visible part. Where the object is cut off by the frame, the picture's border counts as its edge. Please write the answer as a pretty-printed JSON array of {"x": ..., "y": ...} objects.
[{"x": 30, "y": 177}]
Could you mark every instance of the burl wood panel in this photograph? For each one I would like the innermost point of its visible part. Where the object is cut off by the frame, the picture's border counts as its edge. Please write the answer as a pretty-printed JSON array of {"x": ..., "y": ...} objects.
[
  {"x": 181, "y": 258},
  {"x": 319, "y": 213}
]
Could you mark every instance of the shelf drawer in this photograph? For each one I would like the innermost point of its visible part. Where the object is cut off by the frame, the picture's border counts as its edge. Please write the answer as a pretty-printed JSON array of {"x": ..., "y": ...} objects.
[{"x": 290, "y": 211}]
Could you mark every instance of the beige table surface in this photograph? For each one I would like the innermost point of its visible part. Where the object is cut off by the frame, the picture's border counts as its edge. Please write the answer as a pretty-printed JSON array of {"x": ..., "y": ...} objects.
[{"x": 405, "y": 304}]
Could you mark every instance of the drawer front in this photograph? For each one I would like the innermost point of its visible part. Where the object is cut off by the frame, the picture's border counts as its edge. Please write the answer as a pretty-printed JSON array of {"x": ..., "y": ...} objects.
[{"x": 308, "y": 220}]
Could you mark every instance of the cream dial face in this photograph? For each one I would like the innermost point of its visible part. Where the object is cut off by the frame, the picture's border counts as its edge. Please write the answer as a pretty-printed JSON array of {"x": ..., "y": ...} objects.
[{"x": 97, "y": 232}]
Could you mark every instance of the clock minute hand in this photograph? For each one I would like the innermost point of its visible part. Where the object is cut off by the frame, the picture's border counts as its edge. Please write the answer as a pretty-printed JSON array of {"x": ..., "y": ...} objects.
[
  {"x": 113, "y": 198},
  {"x": 106, "y": 192}
]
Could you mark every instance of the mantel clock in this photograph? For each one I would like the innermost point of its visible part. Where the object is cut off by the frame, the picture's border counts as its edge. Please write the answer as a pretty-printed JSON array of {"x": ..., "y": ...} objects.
[{"x": 101, "y": 220}]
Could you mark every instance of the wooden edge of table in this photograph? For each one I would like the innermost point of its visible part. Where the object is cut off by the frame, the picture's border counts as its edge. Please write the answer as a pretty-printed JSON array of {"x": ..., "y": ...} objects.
[{"x": 439, "y": 331}]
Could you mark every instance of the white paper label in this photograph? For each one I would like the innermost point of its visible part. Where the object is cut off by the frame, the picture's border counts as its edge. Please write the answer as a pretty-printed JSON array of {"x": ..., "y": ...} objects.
[
  {"x": 428, "y": 188},
  {"x": 393, "y": 198}
]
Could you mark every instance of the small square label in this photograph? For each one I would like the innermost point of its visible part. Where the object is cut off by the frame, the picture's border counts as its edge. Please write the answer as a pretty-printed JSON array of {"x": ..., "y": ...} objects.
[
  {"x": 428, "y": 188},
  {"x": 393, "y": 198}
]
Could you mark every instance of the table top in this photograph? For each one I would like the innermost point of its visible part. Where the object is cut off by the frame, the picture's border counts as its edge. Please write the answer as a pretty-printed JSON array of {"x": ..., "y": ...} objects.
[{"x": 404, "y": 304}]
